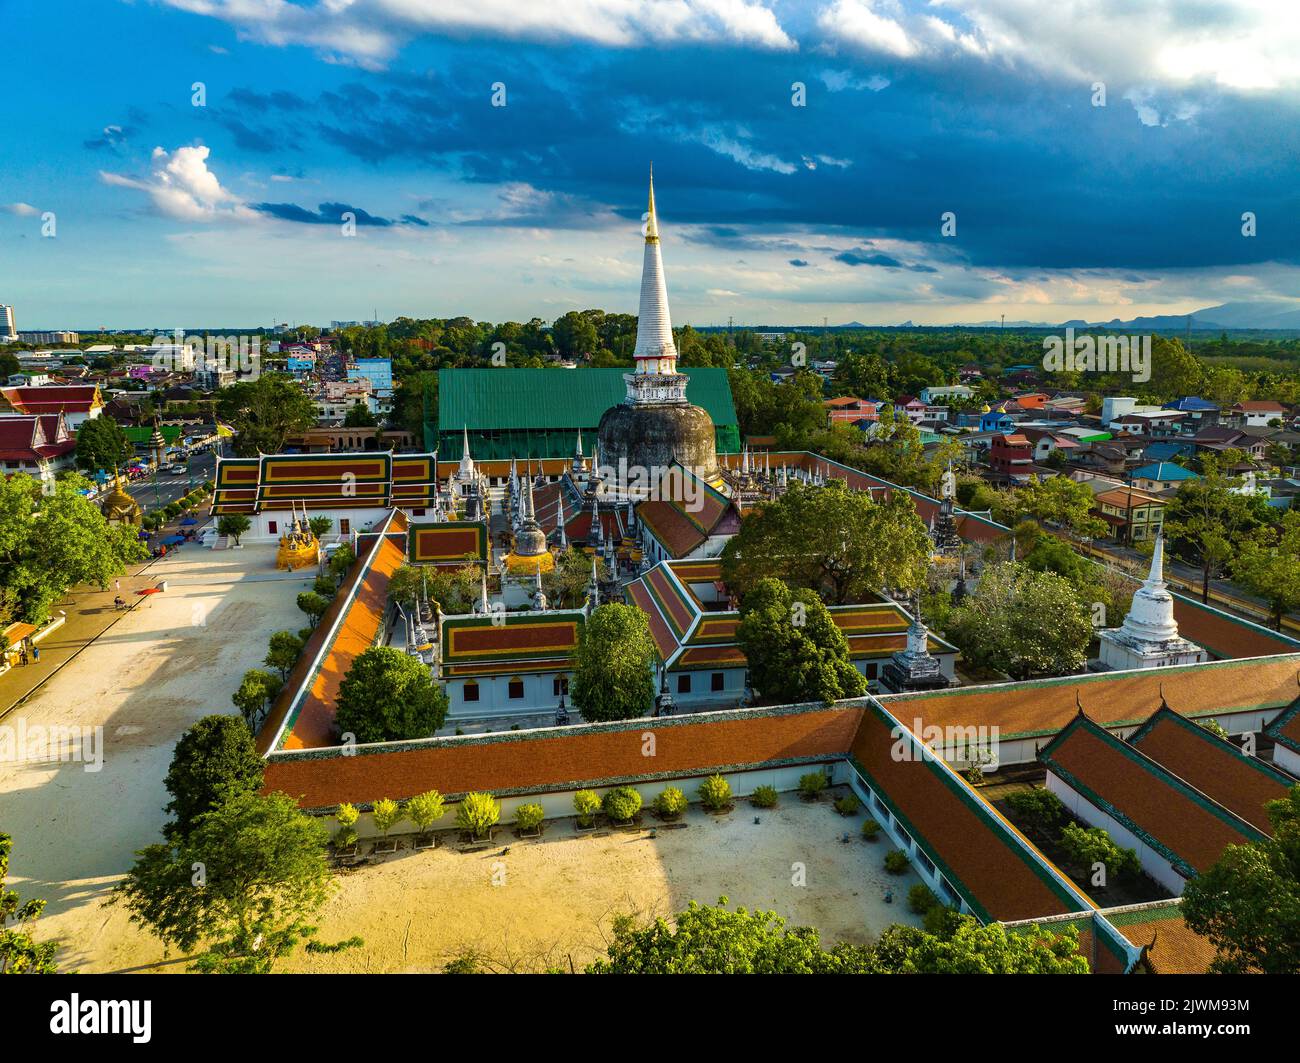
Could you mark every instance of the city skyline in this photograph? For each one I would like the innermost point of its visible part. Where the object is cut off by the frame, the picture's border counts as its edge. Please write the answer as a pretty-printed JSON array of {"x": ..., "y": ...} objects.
[{"x": 806, "y": 155}]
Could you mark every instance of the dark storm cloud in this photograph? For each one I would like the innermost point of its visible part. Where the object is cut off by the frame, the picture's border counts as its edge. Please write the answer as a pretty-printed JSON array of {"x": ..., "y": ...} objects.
[
  {"x": 327, "y": 214},
  {"x": 1036, "y": 176}
]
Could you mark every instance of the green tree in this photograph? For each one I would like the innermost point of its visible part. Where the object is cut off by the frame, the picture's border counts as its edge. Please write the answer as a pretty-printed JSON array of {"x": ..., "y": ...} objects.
[
  {"x": 20, "y": 953},
  {"x": 1248, "y": 903},
  {"x": 101, "y": 444},
  {"x": 359, "y": 416},
  {"x": 613, "y": 665},
  {"x": 233, "y": 525},
  {"x": 320, "y": 526},
  {"x": 969, "y": 948},
  {"x": 314, "y": 605},
  {"x": 1089, "y": 846},
  {"x": 832, "y": 539},
  {"x": 213, "y": 758},
  {"x": 389, "y": 696},
  {"x": 478, "y": 813},
  {"x": 385, "y": 814},
  {"x": 1208, "y": 518},
  {"x": 256, "y": 691},
  {"x": 265, "y": 412},
  {"x": 707, "y": 939},
  {"x": 283, "y": 651},
  {"x": 566, "y": 585},
  {"x": 1268, "y": 565},
  {"x": 52, "y": 541},
  {"x": 424, "y": 810},
  {"x": 795, "y": 651},
  {"x": 574, "y": 334},
  {"x": 261, "y": 875},
  {"x": 1023, "y": 623},
  {"x": 1064, "y": 502}
]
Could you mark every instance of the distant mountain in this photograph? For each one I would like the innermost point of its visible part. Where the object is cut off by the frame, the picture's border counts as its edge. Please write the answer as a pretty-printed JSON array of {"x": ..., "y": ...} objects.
[{"x": 1257, "y": 313}]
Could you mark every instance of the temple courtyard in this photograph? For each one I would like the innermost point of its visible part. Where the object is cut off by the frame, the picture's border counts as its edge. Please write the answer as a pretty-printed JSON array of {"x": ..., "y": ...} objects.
[
  {"x": 174, "y": 657},
  {"x": 548, "y": 903}
]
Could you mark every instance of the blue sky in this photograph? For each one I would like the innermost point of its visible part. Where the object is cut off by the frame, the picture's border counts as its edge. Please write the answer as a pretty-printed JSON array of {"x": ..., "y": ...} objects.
[{"x": 170, "y": 214}]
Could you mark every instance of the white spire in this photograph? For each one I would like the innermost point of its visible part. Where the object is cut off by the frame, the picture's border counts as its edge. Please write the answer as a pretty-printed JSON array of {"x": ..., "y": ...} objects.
[
  {"x": 655, "y": 351},
  {"x": 466, "y": 462},
  {"x": 530, "y": 514},
  {"x": 1151, "y": 616}
]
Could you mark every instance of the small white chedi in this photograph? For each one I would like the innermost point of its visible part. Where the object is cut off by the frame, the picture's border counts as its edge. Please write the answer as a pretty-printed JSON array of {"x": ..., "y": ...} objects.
[{"x": 1149, "y": 637}]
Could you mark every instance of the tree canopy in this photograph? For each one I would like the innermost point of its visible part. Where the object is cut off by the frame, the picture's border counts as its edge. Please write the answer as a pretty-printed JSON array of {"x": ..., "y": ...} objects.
[
  {"x": 56, "y": 540},
  {"x": 20, "y": 953},
  {"x": 613, "y": 677},
  {"x": 706, "y": 939},
  {"x": 101, "y": 444},
  {"x": 389, "y": 696},
  {"x": 832, "y": 539},
  {"x": 242, "y": 883},
  {"x": 1248, "y": 903},
  {"x": 795, "y": 651},
  {"x": 214, "y": 757},
  {"x": 264, "y": 412},
  {"x": 1022, "y": 622}
]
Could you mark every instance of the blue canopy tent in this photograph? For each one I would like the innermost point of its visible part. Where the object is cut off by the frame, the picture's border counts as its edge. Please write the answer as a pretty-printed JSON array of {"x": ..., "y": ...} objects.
[
  {"x": 187, "y": 521},
  {"x": 172, "y": 540}
]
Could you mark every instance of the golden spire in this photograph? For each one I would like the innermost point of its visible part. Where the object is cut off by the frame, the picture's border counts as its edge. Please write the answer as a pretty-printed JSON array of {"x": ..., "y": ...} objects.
[{"x": 652, "y": 221}]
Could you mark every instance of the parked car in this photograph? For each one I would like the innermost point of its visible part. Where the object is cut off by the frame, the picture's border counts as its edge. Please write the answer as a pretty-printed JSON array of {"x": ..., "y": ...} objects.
[{"x": 176, "y": 466}]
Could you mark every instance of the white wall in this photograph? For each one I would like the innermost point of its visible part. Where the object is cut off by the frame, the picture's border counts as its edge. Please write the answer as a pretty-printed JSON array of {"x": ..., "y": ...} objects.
[
  {"x": 1286, "y": 759},
  {"x": 559, "y": 805}
]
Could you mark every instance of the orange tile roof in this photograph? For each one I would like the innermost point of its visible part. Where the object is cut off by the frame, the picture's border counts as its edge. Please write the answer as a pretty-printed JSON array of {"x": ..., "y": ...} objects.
[
  {"x": 566, "y": 759},
  {"x": 983, "y": 853},
  {"x": 1171, "y": 947},
  {"x": 1217, "y": 768},
  {"x": 337, "y": 641},
  {"x": 1045, "y": 706},
  {"x": 1168, "y": 814}
]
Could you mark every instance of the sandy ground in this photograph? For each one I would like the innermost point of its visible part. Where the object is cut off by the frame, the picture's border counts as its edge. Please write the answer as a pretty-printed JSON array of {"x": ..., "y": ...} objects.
[
  {"x": 545, "y": 903},
  {"x": 175, "y": 658}
]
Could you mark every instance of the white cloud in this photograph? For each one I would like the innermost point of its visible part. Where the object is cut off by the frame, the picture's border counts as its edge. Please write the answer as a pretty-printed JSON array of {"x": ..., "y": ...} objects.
[
  {"x": 858, "y": 23},
  {"x": 369, "y": 32},
  {"x": 182, "y": 186},
  {"x": 23, "y": 210}
]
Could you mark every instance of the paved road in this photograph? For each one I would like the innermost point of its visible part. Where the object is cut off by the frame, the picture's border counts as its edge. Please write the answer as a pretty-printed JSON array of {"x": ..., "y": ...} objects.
[{"x": 172, "y": 486}]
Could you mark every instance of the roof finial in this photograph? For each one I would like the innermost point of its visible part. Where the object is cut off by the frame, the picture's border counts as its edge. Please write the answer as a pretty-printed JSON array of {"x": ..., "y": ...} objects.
[
  {"x": 1079, "y": 703},
  {"x": 652, "y": 222}
]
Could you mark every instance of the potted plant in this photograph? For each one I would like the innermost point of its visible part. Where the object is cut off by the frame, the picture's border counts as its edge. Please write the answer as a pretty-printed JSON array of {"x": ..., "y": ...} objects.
[
  {"x": 345, "y": 839},
  {"x": 715, "y": 794},
  {"x": 528, "y": 820},
  {"x": 478, "y": 814},
  {"x": 763, "y": 797},
  {"x": 424, "y": 810},
  {"x": 621, "y": 804},
  {"x": 586, "y": 803},
  {"x": 385, "y": 814},
  {"x": 812, "y": 785},
  {"x": 670, "y": 804}
]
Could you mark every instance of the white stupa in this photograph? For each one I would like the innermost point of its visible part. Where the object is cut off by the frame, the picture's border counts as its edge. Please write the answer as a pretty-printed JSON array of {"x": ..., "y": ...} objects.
[{"x": 1149, "y": 637}]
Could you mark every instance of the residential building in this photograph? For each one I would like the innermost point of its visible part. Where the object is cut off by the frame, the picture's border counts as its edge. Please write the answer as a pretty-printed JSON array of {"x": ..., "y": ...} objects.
[
  {"x": 1011, "y": 458},
  {"x": 1160, "y": 476},
  {"x": 1257, "y": 413},
  {"x": 77, "y": 402},
  {"x": 8, "y": 330},
  {"x": 1134, "y": 516}
]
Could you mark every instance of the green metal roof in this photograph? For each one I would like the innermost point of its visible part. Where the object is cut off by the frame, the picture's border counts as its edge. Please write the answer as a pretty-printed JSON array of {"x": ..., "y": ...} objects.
[
  {"x": 485, "y": 399},
  {"x": 141, "y": 434}
]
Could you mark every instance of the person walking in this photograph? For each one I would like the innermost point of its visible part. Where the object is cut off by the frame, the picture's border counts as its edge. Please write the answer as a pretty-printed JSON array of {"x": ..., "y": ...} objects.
[{"x": 36, "y": 653}]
